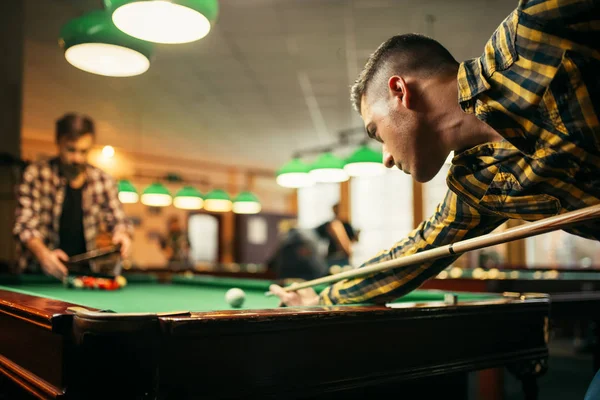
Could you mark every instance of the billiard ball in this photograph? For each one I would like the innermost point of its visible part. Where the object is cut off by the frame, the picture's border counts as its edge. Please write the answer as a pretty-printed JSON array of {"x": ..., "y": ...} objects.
[
  {"x": 478, "y": 273},
  {"x": 335, "y": 269},
  {"x": 235, "y": 297},
  {"x": 456, "y": 272},
  {"x": 88, "y": 282},
  {"x": 121, "y": 281},
  {"x": 72, "y": 282},
  {"x": 77, "y": 283}
]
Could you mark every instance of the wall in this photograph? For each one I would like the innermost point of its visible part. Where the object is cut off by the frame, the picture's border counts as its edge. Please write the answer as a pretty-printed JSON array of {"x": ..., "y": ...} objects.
[{"x": 11, "y": 75}]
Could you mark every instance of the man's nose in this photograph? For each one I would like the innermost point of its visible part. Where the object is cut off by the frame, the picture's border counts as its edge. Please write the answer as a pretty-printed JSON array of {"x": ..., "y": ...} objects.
[
  {"x": 388, "y": 160},
  {"x": 78, "y": 158}
]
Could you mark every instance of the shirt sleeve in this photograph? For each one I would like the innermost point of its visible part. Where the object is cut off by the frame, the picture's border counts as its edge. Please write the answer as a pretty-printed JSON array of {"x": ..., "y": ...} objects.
[
  {"x": 577, "y": 15},
  {"x": 28, "y": 207},
  {"x": 453, "y": 220},
  {"x": 321, "y": 230},
  {"x": 114, "y": 215}
]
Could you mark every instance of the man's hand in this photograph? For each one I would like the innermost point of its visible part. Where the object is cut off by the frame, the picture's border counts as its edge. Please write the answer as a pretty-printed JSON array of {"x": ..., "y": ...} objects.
[
  {"x": 123, "y": 239},
  {"x": 51, "y": 262},
  {"x": 302, "y": 297}
]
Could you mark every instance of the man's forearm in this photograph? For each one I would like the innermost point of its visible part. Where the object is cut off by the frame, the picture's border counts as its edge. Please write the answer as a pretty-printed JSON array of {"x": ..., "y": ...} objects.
[
  {"x": 336, "y": 229},
  {"x": 37, "y": 247},
  {"x": 456, "y": 221}
]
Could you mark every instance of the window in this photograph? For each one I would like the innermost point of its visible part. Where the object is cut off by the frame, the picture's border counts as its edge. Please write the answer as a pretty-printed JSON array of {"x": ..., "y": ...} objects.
[
  {"x": 203, "y": 231},
  {"x": 382, "y": 209}
]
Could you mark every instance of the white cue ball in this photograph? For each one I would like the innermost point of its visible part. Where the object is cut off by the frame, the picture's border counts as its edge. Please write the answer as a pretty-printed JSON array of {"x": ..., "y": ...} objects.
[{"x": 235, "y": 297}]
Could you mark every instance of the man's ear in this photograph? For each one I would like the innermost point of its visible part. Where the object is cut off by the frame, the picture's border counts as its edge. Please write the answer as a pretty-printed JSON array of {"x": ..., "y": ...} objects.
[{"x": 399, "y": 89}]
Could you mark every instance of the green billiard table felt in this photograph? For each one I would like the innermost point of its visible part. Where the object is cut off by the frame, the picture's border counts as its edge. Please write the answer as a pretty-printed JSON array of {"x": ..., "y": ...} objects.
[{"x": 197, "y": 293}]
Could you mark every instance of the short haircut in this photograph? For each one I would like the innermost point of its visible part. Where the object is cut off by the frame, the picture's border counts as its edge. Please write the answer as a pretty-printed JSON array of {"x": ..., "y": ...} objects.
[
  {"x": 411, "y": 54},
  {"x": 72, "y": 126}
]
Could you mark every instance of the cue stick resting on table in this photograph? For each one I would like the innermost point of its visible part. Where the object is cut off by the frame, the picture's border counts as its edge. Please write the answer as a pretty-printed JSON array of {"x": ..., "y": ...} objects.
[
  {"x": 520, "y": 232},
  {"x": 74, "y": 262},
  {"x": 91, "y": 255}
]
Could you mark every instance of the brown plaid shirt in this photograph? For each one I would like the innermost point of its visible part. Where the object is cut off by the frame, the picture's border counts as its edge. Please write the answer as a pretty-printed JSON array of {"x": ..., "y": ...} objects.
[{"x": 40, "y": 199}]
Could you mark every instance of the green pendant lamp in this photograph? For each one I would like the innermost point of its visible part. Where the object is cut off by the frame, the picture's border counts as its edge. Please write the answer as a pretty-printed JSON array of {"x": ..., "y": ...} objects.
[
  {"x": 127, "y": 192},
  {"x": 365, "y": 162},
  {"x": 93, "y": 44},
  {"x": 156, "y": 195},
  {"x": 328, "y": 168},
  {"x": 295, "y": 174},
  {"x": 188, "y": 198},
  {"x": 217, "y": 201},
  {"x": 160, "y": 21},
  {"x": 246, "y": 203}
]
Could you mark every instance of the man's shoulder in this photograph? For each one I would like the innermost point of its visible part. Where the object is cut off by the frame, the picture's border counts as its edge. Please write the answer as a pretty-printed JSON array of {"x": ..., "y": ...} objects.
[
  {"x": 98, "y": 175},
  {"x": 40, "y": 169}
]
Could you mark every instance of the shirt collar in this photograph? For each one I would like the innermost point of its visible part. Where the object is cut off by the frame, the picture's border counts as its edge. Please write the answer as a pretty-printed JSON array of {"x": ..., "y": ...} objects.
[{"x": 471, "y": 82}]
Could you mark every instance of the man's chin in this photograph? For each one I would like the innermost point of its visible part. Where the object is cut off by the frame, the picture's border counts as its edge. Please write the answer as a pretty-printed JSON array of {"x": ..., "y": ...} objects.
[
  {"x": 71, "y": 171},
  {"x": 423, "y": 176}
]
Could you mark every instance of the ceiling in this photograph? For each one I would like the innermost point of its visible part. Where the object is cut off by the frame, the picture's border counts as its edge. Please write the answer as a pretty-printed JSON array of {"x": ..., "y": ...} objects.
[{"x": 272, "y": 76}]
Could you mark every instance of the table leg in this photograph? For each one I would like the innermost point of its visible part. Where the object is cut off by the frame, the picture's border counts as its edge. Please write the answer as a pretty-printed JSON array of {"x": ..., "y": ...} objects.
[
  {"x": 596, "y": 344},
  {"x": 530, "y": 388},
  {"x": 527, "y": 373}
]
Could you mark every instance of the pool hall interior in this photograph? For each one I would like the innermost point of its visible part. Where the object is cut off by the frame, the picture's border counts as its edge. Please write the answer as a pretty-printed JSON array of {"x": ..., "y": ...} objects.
[{"x": 235, "y": 160}]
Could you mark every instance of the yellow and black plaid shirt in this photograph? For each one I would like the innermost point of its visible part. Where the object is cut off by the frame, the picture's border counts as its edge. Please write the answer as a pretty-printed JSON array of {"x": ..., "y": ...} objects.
[{"x": 538, "y": 85}]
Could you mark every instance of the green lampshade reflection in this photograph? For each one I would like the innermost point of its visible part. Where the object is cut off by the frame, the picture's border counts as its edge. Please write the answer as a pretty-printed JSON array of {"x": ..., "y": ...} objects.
[
  {"x": 246, "y": 203},
  {"x": 365, "y": 162},
  {"x": 159, "y": 21},
  {"x": 217, "y": 201},
  {"x": 328, "y": 168},
  {"x": 188, "y": 198},
  {"x": 156, "y": 195},
  {"x": 93, "y": 44}
]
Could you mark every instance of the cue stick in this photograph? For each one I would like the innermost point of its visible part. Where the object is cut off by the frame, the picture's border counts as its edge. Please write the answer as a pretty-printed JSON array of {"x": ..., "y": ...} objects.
[
  {"x": 90, "y": 255},
  {"x": 491, "y": 239}
]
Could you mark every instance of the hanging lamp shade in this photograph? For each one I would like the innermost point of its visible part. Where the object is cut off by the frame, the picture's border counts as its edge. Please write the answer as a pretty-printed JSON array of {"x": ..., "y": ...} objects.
[
  {"x": 328, "y": 168},
  {"x": 217, "y": 201},
  {"x": 365, "y": 162},
  {"x": 294, "y": 174},
  {"x": 159, "y": 21},
  {"x": 246, "y": 203},
  {"x": 93, "y": 44},
  {"x": 156, "y": 195},
  {"x": 188, "y": 198},
  {"x": 127, "y": 192}
]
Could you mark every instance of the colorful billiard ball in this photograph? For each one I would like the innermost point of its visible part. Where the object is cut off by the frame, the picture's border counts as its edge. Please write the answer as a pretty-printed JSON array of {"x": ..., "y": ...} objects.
[{"x": 121, "y": 281}]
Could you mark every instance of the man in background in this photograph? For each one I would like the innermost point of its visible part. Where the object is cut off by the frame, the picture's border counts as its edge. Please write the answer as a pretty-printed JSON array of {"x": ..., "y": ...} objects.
[
  {"x": 340, "y": 235},
  {"x": 296, "y": 256},
  {"x": 64, "y": 202},
  {"x": 176, "y": 245}
]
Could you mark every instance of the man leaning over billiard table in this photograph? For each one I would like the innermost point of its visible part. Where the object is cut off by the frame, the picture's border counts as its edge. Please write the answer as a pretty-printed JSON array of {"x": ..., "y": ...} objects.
[
  {"x": 63, "y": 203},
  {"x": 522, "y": 119}
]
